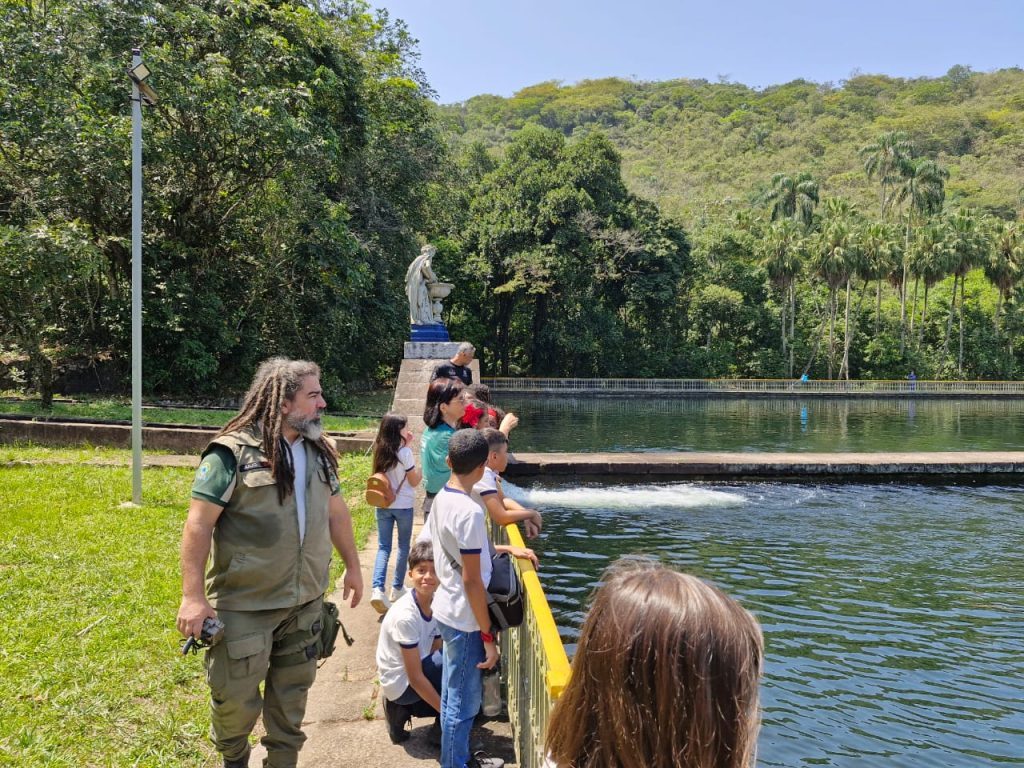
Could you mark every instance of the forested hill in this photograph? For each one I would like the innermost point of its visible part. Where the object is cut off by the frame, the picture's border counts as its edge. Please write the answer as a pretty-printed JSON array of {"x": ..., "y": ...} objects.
[{"x": 690, "y": 144}]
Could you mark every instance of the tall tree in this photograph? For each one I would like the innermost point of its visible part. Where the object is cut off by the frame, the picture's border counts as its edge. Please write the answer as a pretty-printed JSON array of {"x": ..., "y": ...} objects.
[
  {"x": 781, "y": 256},
  {"x": 793, "y": 197},
  {"x": 834, "y": 266},
  {"x": 886, "y": 159},
  {"x": 967, "y": 244},
  {"x": 930, "y": 261},
  {"x": 923, "y": 189},
  {"x": 882, "y": 256},
  {"x": 1005, "y": 262}
]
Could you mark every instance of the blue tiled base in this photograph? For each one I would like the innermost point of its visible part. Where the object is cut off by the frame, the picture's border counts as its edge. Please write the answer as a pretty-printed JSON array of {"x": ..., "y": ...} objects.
[{"x": 428, "y": 333}]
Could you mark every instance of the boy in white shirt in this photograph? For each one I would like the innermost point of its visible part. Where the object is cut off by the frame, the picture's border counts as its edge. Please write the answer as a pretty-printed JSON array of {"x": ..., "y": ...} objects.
[
  {"x": 409, "y": 651},
  {"x": 462, "y": 560},
  {"x": 488, "y": 494}
]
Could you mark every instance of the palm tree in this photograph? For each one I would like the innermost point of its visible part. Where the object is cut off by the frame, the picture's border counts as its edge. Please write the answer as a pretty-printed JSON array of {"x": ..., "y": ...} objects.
[
  {"x": 793, "y": 197},
  {"x": 929, "y": 261},
  {"x": 887, "y": 159},
  {"x": 781, "y": 256},
  {"x": 968, "y": 245},
  {"x": 833, "y": 265},
  {"x": 923, "y": 186},
  {"x": 1005, "y": 261},
  {"x": 882, "y": 257}
]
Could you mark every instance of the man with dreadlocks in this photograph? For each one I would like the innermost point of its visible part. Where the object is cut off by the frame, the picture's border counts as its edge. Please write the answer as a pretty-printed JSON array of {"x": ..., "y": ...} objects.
[{"x": 267, "y": 496}]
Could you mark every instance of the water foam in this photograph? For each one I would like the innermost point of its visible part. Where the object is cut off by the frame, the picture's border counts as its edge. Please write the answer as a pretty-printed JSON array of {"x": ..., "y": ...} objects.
[{"x": 675, "y": 495}]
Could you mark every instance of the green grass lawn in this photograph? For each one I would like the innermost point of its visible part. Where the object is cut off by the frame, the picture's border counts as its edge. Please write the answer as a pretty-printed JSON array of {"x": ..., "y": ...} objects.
[
  {"x": 90, "y": 673},
  {"x": 119, "y": 410}
]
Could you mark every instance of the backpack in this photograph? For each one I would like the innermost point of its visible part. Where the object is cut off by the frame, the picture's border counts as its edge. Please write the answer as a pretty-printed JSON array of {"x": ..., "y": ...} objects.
[{"x": 379, "y": 492}]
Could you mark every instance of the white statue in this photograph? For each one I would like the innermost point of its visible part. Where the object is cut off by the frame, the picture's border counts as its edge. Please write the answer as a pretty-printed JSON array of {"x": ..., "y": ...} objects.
[
  {"x": 424, "y": 290},
  {"x": 418, "y": 278}
]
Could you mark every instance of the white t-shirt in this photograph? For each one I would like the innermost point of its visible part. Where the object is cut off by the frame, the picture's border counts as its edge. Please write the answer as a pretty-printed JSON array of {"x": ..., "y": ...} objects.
[
  {"x": 487, "y": 486},
  {"x": 298, "y": 450},
  {"x": 456, "y": 528},
  {"x": 404, "y": 626},
  {"x": 406, "y": 494}
]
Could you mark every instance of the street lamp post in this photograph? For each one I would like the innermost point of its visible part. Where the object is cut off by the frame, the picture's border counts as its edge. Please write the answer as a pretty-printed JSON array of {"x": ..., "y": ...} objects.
[{"x": 141, "y": 93}]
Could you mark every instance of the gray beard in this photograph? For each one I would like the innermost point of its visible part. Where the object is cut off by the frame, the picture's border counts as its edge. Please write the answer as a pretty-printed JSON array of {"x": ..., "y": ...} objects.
[{"x": 311, "y": 429}]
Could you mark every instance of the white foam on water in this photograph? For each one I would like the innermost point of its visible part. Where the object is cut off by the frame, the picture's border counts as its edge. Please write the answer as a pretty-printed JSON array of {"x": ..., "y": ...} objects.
[{"x": 676, "y": 495}]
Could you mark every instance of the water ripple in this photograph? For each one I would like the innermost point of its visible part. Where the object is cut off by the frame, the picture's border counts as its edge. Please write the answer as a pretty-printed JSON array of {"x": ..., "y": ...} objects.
[{"x": 893, "y": 615}]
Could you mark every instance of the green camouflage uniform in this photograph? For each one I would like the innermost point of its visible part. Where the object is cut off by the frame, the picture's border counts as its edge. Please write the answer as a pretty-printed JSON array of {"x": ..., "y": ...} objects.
[{"x": 267, "y": 587}]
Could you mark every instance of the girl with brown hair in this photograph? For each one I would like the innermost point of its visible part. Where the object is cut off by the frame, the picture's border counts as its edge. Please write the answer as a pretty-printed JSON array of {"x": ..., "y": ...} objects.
[{"x": 665, "y": 675}]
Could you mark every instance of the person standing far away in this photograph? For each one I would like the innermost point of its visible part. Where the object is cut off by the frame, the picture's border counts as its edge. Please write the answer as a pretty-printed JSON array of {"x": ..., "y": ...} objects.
[
  {"x": 267, "y": 498},
  {"x": 666, "y": 675},
  {"x": 458, "y": 366},
  {"x": 912, "y": 378}
]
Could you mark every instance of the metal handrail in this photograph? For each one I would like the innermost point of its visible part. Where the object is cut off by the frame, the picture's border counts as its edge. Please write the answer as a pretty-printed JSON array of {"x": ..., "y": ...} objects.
[
  {"x": 754, "y": 386},
  {"x": 535, "y": 664}
]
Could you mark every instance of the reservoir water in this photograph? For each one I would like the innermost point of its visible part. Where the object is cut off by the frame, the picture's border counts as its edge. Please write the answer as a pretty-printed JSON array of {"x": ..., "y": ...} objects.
[
  {"x": 893, "y": 614},
  {"x": 772, "y": 424}
]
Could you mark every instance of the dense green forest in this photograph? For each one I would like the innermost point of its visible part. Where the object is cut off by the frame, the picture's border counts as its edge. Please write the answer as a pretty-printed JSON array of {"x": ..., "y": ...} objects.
[
  {"x": 696, "y": 148},
  {"x": 296, "y": 160}
]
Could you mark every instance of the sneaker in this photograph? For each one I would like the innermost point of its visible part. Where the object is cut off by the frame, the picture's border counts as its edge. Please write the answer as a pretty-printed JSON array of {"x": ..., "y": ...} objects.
[
  {"x": 396, "y": 593},
  {"x": 481, "y": 759},
  {"x": 397, "y": 716},
  {"x": 378, "y": 601}
]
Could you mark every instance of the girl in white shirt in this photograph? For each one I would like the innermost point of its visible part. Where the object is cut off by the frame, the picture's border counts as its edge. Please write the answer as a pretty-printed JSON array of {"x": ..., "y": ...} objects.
[{"x": 393, "y": 456}]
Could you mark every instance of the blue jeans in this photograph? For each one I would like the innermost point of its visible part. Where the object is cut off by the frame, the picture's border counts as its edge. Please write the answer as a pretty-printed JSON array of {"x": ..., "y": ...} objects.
[
  {"x": 386, "y": 519},
  {"x": 461, "y": 693},
  {"x": 432, "y": 666}
]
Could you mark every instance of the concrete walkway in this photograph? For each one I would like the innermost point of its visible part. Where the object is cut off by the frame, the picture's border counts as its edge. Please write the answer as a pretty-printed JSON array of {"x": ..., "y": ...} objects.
[{"x": 345, "y": 717}]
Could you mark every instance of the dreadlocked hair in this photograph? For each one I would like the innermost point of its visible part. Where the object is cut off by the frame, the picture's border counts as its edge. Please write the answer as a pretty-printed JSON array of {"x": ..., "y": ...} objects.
[{"x": 277, "y": 380}]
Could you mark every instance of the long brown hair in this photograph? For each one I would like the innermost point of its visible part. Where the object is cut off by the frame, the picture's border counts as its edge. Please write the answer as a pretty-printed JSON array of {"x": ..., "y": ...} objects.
[
  {"x": 665, "y": 675},
  {"x": 277, "y": 380},
  {"x": 388, "y": 442}
]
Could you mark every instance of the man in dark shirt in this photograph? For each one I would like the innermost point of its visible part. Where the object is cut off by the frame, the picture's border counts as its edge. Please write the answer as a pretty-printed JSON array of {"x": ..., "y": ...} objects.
[{"x": 458, "y": 366}]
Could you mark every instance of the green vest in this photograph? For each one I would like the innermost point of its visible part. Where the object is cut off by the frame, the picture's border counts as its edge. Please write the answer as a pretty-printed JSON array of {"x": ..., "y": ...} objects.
[{"x": 257, "y": 562}]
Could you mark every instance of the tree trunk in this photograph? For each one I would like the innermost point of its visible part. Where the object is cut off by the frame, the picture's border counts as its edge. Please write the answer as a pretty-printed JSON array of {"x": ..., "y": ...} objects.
[
  {"x": 504, "y": 318},
  {"x": 845, "y": 369},
  {"x": 538, "y": 364},
  {"x": 949, "y": 319},
  {"x": 792, "y": 315},
  {"x": 960, "y": 357},
  {"x": 878, "y": 305},
  {"x": 913, "y": 306},
  {"x": 42, "y": 373},
  {"x": 782, "y": 316},
  {"x": 924, "y": 315},
  {"x": 831, "y": 329}
]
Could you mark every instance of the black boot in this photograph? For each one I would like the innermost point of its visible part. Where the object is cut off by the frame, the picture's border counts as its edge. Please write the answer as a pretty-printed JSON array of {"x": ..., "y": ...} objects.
[
  {"x": 239, "y": 762},
  {"x": 397, "y": 716},
  {"x": 434, "y": 734}
]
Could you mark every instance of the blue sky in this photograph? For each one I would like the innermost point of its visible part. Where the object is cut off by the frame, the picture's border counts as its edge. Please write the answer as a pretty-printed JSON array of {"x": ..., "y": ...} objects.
[{"x": 471, "y": 47}]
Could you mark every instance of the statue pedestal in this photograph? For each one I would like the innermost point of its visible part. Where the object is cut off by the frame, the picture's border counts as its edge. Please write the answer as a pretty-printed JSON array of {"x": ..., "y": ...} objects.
[
  {"x": 436, "y": 332},
  {"x": 440, "y": 351}
]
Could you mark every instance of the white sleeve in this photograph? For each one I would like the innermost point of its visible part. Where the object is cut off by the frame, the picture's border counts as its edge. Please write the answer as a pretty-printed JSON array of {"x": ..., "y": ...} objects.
[
  {"x": 486, "y": 486},
  {"x": 406, "y": 459},
  {"x": 471, "y": 533}
]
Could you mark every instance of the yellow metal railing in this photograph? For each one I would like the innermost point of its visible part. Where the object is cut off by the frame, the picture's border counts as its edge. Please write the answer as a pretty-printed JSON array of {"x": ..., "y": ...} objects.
[
  {"x": 757, "y": 386},
  {"x": 536, "y": 667}
]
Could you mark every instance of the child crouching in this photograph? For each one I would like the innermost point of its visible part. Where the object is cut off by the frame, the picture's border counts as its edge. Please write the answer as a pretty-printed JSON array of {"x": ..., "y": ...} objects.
[{"x": 409, "y": 651}]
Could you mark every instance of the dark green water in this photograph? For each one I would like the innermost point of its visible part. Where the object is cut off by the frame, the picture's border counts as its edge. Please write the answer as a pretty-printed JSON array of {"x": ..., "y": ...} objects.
[
  {"x": 816, "y": 425},
  {"x": 893, "y": 614}
]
